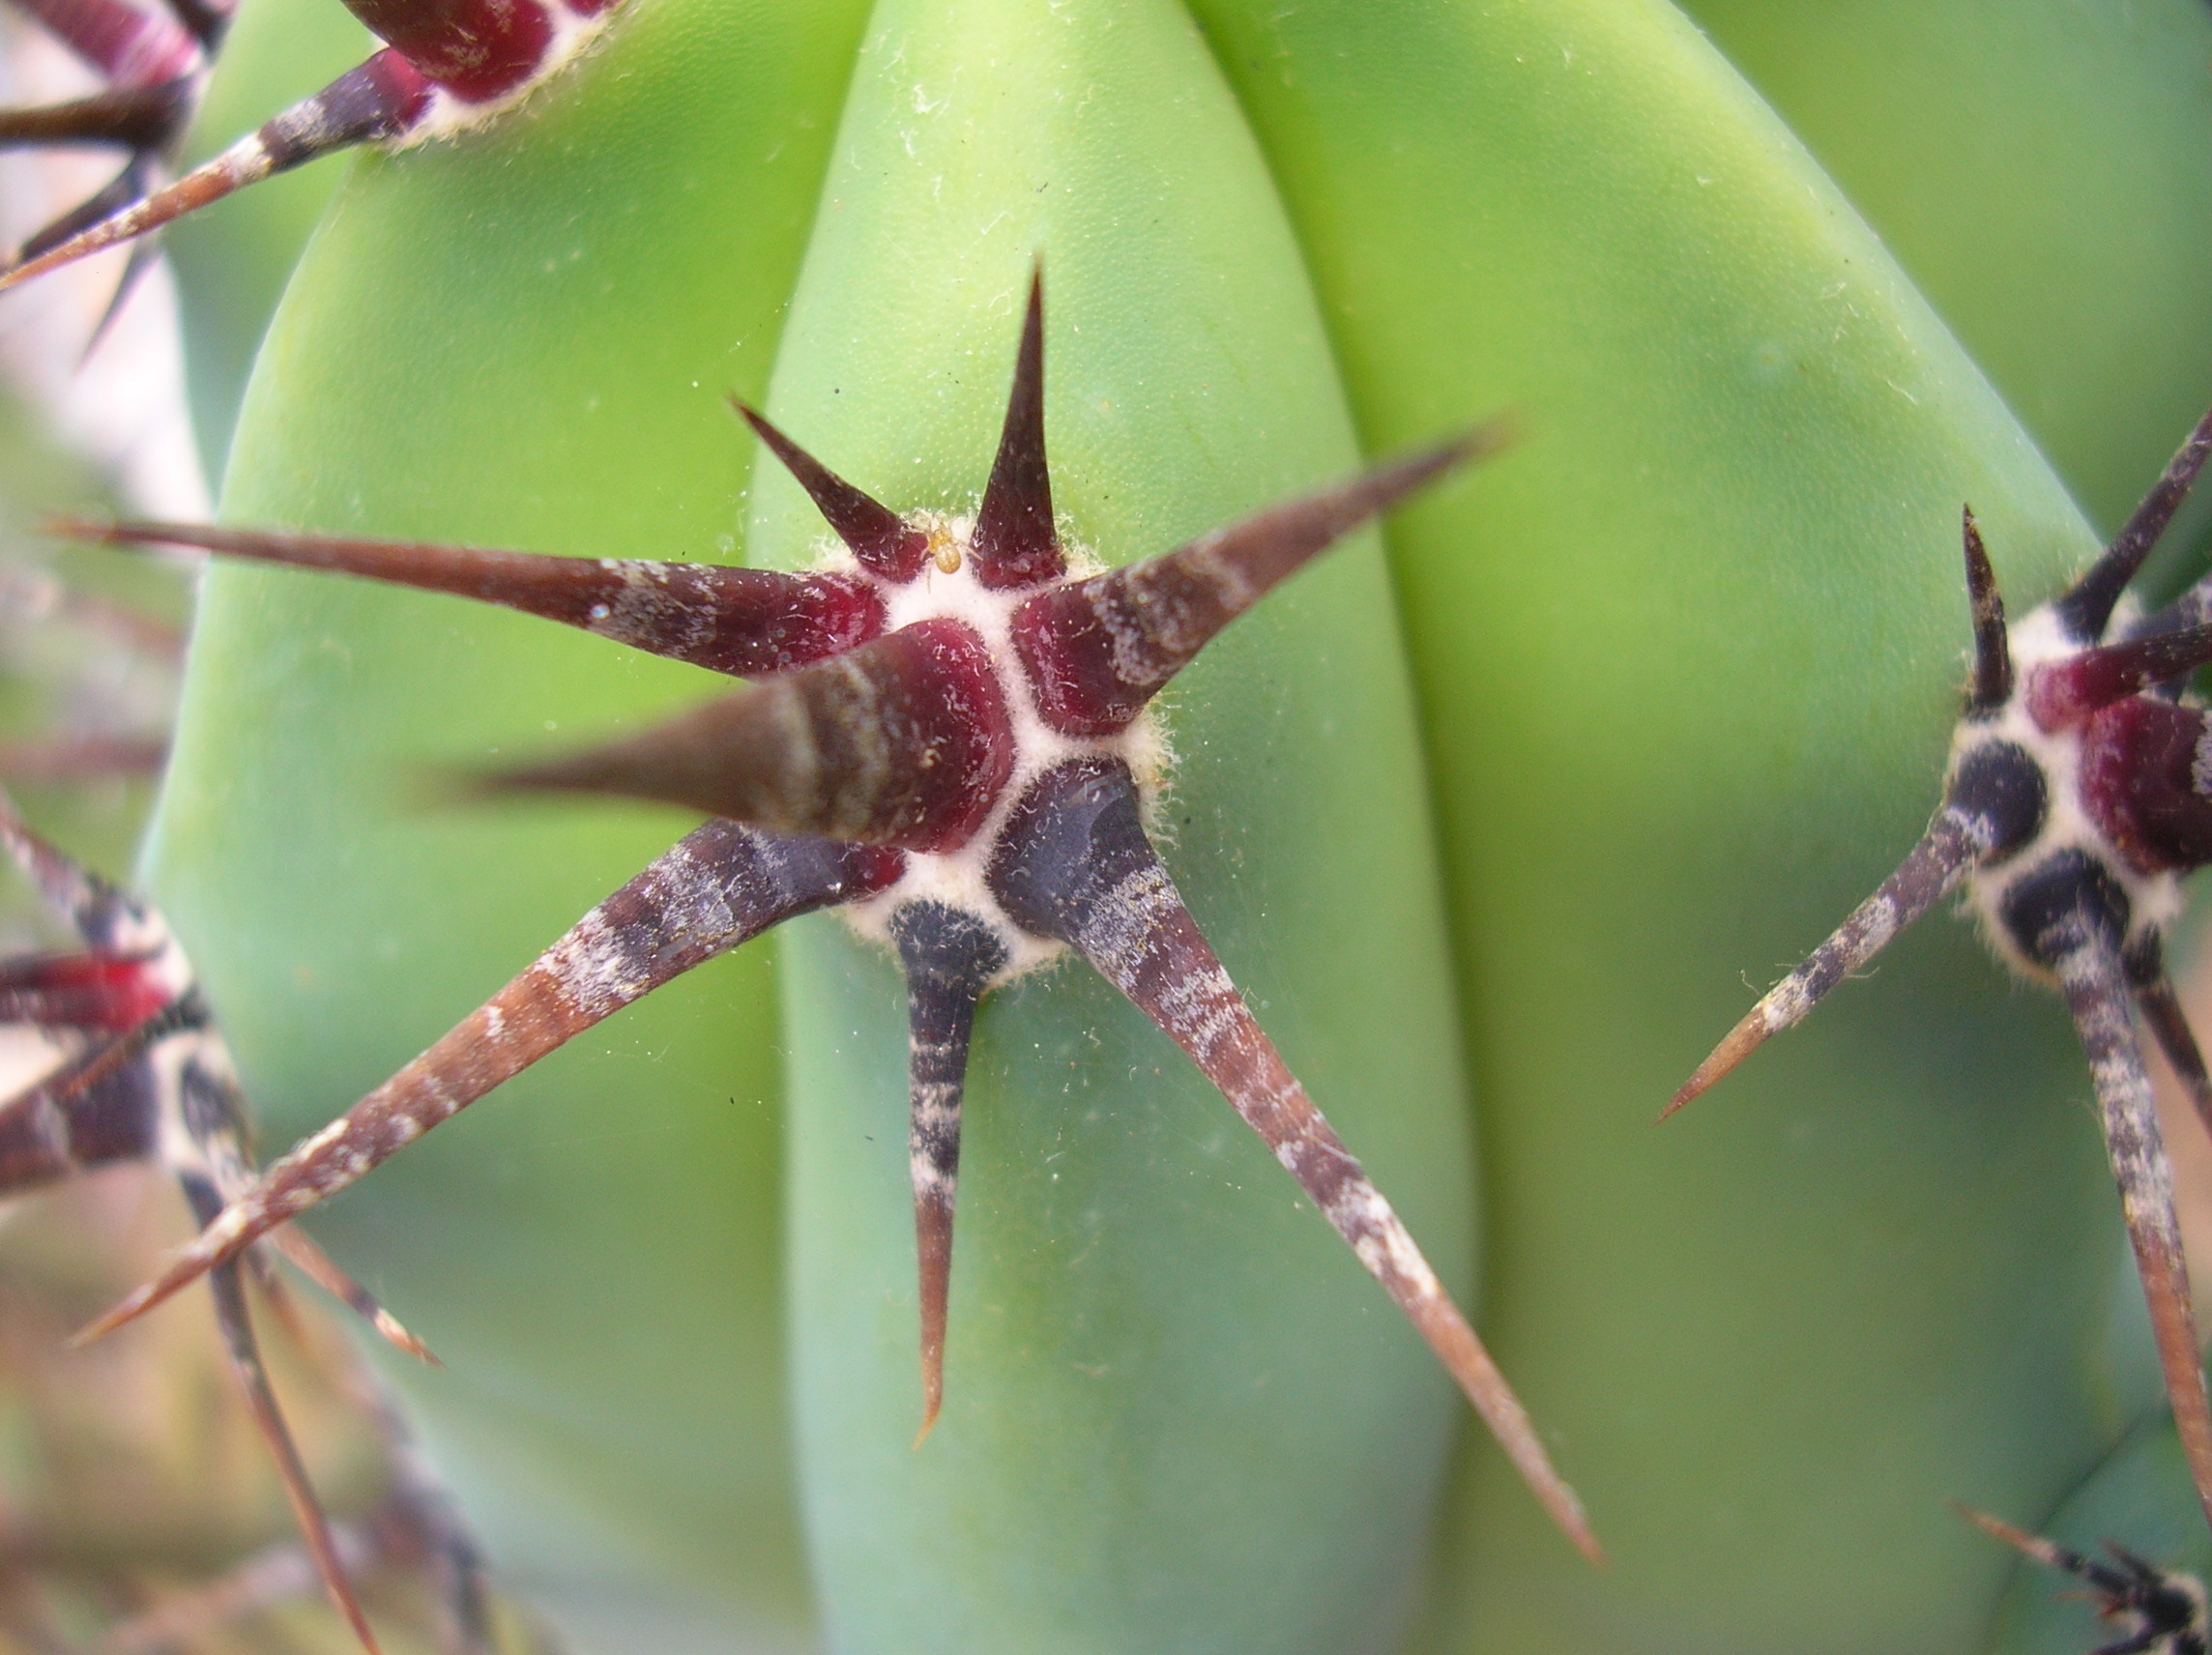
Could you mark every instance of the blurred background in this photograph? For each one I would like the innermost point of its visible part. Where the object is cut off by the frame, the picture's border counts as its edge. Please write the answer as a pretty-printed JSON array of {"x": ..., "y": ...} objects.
[{"x": 138, "y": 1508}]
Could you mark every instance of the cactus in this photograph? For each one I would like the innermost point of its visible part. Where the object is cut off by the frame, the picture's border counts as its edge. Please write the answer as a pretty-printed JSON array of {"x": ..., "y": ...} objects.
[{"x": 1486, "y": 833}]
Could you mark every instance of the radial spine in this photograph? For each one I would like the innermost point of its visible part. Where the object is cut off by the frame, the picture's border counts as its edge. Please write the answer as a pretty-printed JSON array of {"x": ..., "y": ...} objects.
[{"x": 970, "y": 783}]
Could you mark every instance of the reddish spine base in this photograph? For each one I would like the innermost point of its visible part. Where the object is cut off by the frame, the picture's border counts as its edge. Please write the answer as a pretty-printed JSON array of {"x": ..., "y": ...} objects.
[{"x": 967, "y": 785}]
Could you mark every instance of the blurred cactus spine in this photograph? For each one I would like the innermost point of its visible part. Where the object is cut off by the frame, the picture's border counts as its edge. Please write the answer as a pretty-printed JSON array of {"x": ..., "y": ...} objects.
[{"x": 1476, "y": 834}]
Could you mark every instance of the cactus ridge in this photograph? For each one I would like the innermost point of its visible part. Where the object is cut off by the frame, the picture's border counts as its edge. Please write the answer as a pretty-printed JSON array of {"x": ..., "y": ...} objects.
[
  {"x": 145, "y": 1076},
  {"x": 967, "y": 787},
  {"x": 2078, "y": 792}
]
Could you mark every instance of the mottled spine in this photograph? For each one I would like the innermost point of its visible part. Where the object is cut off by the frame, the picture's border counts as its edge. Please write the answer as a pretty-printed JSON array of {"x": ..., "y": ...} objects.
[
  {"x": 720, "y": 885},
  {"x": 2095, "y": 986},
  {"x": 949, "y": 958},
  {"x": 1075, "y": 864},
  {"x": 746, "y": 622}
]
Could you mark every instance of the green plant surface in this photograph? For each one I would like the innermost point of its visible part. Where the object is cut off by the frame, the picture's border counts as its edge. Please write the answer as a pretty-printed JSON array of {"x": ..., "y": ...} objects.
[
  {"x": 1683, "y": 664},
  {"x": 2038, "y": 170},
  {"x": 1728, "y": 559}
]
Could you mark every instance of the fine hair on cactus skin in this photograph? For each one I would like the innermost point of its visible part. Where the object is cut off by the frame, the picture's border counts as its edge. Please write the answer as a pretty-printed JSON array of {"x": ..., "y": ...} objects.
[
  {"x": 953, "y": 748},
  {"x": 145, "y": 1076},
  {"x": 2078, "y": 792},
  {"x": 449, "y": 68},
  {"x": 2158, "y": 1612}
]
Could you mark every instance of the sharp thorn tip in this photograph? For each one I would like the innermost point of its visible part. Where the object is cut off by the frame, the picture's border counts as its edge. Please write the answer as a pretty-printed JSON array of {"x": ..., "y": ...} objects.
[
  {"x": 66, "y": 528},
  {"x": 397, "y": 1336},
  {"x": 127, "y": 1311},
  {"x": 1740, "y": 1043}
]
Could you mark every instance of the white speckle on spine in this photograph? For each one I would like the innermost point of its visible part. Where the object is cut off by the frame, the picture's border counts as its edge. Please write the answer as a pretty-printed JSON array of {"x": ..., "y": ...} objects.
[
  {"x": 1786, "y": 1003},
  {"x": 928, "y": 1178},
  {"x": 590, "y": 970},
  {"x": 323, "y": 1139},
  {"x": 646, "y": 609}
]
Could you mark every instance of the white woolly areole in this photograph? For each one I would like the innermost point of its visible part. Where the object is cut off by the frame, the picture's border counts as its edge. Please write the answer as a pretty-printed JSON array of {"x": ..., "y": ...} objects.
[
  {"x": 176, "y": 1146},
  {"x": 448, "y": 115},
  {"x": 2154, "y": 900},
  {"x": 28, "y": 1056},
  {"x": 957, "y": 878},
  {"x": 2191, "y": 1588},
  {"x": 140, "y": 932}
]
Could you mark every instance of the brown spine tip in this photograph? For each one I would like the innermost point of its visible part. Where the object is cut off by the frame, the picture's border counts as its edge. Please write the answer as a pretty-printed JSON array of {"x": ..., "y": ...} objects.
[
  {"x": 312, "y": 1262},
  {"x": 1746, "y": 1037},
  {"x": 111, "y": 199},
  {"x": 1074, "y": 864},
  {"x": 2031, "y": 1546},
  {"x": 886, "y": 544},
  {"x": 1015, "y": 542},
  {"x": 721, "y": 886},
  {"x": 243, "y": 163},
  {"x": 1096, "y": 650},
  {"x": 1992, "y": 685},
  {"x": 949, "y": 958},
  {"x": 269, "y": 1419},
  {"x": 1943, "y": 858},
  {"x": 2087, "y": 608},
  {"x": 384, "y": 96},
  {"x": 747, "y": 622}
]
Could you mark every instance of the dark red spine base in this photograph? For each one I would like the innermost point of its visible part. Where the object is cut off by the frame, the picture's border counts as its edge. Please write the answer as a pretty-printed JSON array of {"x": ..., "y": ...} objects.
[
  {"x": 904, "y": 742},
  {"x": 2143, "y": 766},
  {"x": 478, "y": 49},
  {"x": 110, "y": 992}
]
